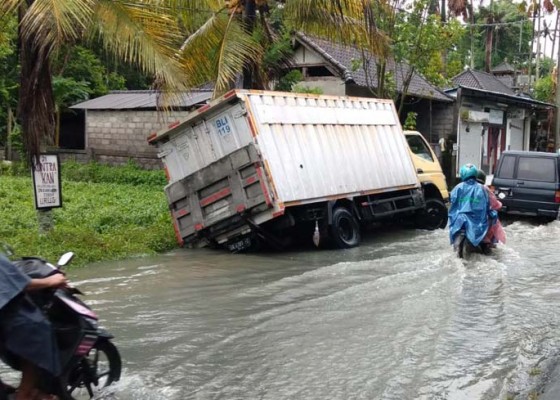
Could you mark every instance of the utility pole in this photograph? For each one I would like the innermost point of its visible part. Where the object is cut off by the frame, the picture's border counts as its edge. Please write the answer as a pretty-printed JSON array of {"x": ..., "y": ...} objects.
[
  {"x": 538, "y": 58},
  {"x": 557, "y": 113}
]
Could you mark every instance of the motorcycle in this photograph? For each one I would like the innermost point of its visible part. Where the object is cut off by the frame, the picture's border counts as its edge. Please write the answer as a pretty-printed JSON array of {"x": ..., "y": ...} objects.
[
  {"x": 468, "y": 234},
  {"x": 463, "y": 246},
  {"x": 89, "y": 360}
]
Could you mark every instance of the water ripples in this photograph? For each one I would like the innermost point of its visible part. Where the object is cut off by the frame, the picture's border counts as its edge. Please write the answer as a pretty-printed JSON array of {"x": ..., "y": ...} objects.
[{"x": 400, "y": 317}]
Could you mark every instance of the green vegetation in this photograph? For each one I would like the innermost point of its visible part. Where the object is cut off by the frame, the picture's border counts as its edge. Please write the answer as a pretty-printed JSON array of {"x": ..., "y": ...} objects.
[{"x": 108, "y": 213}]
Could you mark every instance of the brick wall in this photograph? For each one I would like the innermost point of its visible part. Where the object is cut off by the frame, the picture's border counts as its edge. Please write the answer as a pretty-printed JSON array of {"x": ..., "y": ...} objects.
[{"x": 114, "y": 137}]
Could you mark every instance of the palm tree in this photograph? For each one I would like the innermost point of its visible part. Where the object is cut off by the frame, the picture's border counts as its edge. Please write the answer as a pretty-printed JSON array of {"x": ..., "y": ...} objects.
[
  {"x": 464, "y": 8},
  {"x": 182, "y": 43},
  {"x": 232, "y": 35},
  {"x": 142, "y": 32}
]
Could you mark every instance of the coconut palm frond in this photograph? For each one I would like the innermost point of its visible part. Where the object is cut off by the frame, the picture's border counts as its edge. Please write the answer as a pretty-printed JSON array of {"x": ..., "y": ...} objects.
[
  {"x": 9, "y": 6},
  {"x": 196, "y": 52},
  {"x": 218, "y": 51},
  {"x": 236, "y": 49},
  {"x": 52, "y": 22},
  {"x": 144, "y": 34},
  {"x": 344, "y": 21},
  {"x": 193, "y": 14},
  {"x": 327, "y": 19}
]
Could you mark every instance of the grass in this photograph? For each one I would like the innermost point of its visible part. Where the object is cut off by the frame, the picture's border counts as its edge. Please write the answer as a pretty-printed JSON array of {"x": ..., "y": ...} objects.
[{"x": 108, "y": 213}]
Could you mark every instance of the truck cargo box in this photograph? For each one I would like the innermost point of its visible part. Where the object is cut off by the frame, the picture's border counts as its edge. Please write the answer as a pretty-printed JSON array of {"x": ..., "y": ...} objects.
[{"x": 245, "y": 158}]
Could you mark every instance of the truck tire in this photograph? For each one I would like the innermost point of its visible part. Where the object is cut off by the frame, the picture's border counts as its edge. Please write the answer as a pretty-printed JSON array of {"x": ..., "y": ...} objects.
[
  {"x": 434, "y": 216},
  {"x": 344, "y": 229}
]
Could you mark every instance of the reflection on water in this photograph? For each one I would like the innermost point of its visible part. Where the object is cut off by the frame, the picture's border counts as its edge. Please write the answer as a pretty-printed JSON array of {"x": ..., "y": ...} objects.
[{"x": 397, "y": 318}]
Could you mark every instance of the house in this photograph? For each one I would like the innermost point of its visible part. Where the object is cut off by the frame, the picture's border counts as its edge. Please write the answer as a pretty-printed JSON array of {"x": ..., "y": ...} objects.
[
  {"x": 115, "y": 126},
  {"x": 338, "y": 70},
  {"x": 490, "y": 117},
  {"x": 507, "y": 74}
]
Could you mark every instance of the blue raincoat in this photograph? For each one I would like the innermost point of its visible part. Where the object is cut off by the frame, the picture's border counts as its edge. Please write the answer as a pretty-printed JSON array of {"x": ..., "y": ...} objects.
[{"x": 469, "y": 210}]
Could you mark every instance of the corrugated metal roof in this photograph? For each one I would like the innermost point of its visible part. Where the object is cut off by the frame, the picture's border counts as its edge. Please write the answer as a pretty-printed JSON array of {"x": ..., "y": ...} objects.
[{"x": 142, "y": 99}]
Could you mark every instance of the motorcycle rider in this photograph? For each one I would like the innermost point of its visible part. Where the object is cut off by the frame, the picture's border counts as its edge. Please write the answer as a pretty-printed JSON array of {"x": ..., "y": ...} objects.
[
  {"x": 469, "y": 208},
  {"x": 24, "y": 331},
  {"x": 496, "y": 233}
]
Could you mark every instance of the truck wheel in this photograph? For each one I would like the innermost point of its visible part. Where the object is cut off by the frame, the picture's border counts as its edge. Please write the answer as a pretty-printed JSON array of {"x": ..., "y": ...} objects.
[
  {"x": 344, "y": 230},
  {"x": 434, "y": 216}
]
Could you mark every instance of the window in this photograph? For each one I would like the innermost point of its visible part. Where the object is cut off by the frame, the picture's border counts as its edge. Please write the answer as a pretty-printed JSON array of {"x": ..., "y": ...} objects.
[
  {"x": 318, "y": 71},
  {"x": 506, "y": 168},
  {"x": 419, "y": 147},
  {"x": 536, "y": 169}
]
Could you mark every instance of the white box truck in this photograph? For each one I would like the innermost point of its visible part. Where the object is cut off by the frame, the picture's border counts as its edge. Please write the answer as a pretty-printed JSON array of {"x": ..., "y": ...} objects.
[{"x": 254, "y": 167}]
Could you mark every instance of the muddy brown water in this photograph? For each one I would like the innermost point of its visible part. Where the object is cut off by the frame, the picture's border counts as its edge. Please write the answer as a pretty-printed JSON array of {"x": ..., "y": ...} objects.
[{"x": 399, "y": 317}]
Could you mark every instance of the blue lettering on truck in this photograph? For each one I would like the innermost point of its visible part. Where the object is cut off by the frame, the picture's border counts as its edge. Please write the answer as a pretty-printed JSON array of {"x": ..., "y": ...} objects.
[{"x": 222, "y": 124}]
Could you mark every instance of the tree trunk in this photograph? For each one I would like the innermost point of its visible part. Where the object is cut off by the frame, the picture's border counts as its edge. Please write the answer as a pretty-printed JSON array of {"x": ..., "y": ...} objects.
[
  {"x": 36, "y": 103},
  {"x": 249, "y": 18},
  {"x": 57, "y": 126},
  {"x": 444, "y": 52},
  {"x": 9, "y": 127},
  {"x": 488, "y": 48},
  {"x": 381, "y": 69},
  {"x": 471, "y": 12},
  {"x": 406, "y": 85}
]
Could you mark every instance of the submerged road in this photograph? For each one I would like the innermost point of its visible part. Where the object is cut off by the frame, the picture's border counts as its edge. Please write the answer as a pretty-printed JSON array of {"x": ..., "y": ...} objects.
[{"x": 399, "y": 317}]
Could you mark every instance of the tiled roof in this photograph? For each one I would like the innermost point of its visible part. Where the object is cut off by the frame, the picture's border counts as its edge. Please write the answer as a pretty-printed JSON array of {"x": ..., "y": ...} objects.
[
  {"x": 142, "y": 99},
  {"x": 481, "y": 80},
  {"x": 342, "y": 58},
  {"x": 503, "y": 67},
  {"x": 506, "y": 80}
]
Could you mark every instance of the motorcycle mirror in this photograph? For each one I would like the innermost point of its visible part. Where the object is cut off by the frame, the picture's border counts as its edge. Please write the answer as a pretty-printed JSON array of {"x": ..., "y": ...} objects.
[{"x": 65, "y": 259}]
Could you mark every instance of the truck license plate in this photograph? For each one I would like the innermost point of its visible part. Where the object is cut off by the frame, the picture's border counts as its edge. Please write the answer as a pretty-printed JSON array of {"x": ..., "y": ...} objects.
[{"x": 240, "y": 245}]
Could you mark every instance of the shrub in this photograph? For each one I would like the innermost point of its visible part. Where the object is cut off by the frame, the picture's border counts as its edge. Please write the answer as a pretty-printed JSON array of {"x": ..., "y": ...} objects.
[
  {"x": 98, "y": 221},
  {"x": 129, "y": 174}
]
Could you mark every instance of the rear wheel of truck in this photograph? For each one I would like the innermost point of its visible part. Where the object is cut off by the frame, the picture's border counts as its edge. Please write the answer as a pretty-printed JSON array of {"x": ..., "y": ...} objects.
[
  {"x": 344, "y": 229},
  {"x": 434, "y": 216}
]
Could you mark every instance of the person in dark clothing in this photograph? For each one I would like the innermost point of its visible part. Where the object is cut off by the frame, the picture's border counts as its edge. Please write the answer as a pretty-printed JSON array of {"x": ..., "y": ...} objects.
[{"x": 25, "y": 333}]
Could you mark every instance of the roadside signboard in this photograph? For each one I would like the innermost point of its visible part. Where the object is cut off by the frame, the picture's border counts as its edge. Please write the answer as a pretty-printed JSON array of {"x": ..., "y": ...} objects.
[{"x": 46, "y": 182}]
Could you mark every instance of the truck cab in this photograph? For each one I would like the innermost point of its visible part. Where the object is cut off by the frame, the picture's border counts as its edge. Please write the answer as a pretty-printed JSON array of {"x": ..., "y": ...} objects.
[{"x": 430, "y": 175}]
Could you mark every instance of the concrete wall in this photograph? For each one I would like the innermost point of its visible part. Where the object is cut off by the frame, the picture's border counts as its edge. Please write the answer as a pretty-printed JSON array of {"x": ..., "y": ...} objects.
[
  {"x": 114, "y": 137},
  {"x": 307, "y": 57},
  {"x": 329, "y": 85},
  {"x": 442, "y": 120}
]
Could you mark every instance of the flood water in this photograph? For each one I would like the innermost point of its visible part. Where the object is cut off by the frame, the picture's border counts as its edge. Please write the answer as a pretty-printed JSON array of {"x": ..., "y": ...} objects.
[{"x": 399, "y": 317}]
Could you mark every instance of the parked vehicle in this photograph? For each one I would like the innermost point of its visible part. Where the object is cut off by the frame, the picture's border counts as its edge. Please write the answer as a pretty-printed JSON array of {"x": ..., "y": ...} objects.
[
  {"x": 89, "y": 360},
  {"x": 528, "y": 183},
  {"x": 268, "y": 167},
  {"x": 431, "y": 177}
]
